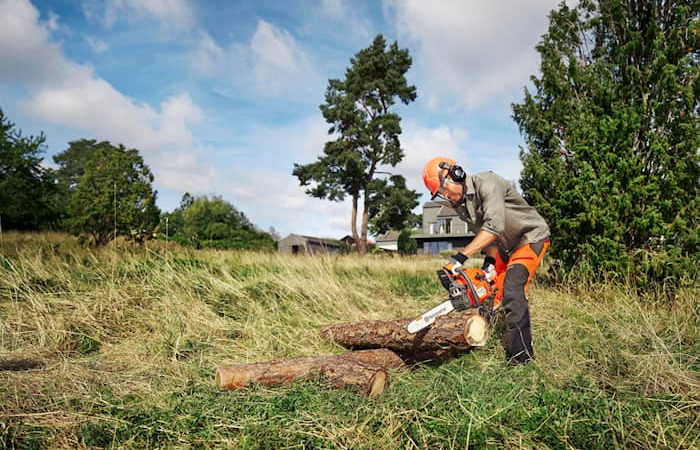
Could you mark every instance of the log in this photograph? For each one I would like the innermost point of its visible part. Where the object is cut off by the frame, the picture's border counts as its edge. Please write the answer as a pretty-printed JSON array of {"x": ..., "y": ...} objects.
[
  {"x": 448, "y": 336},
  {"x": 365, "y": 371}
]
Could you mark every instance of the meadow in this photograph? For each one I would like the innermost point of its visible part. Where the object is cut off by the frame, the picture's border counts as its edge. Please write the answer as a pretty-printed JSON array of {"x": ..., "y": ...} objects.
[{"x": 116, "y": 347}]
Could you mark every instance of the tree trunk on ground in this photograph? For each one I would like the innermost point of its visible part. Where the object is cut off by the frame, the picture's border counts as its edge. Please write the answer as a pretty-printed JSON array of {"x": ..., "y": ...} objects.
[
  {"x": 448, "y": 336},
  {"x": 365, "y": 371}
]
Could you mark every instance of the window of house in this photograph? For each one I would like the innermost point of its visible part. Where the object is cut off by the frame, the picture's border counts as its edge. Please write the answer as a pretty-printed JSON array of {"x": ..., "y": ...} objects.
[{"x": 445, "y": 226}]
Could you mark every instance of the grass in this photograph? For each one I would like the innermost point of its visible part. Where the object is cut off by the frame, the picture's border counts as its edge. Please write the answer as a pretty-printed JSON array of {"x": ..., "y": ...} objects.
[{"x": 117, "y": 348}]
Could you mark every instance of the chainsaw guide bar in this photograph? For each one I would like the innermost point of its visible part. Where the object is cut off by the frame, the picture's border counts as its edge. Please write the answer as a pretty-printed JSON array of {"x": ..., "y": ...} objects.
[{"x": 467, "y": 289}]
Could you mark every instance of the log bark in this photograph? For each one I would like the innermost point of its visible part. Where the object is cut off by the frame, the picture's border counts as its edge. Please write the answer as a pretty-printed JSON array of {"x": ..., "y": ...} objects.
[
  {"x": 447, "y": 337},
  {"x": 382, "y": 357},
  {"x": 365, "y": 371}
]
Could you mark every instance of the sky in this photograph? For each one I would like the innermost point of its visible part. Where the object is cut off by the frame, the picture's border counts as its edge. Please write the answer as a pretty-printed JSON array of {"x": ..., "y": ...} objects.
[{"x": 221, "y": 97}]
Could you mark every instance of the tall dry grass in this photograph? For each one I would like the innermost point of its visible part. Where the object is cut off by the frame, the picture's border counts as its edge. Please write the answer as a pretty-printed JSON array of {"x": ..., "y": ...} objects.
[{"x": 97, "y": 342}]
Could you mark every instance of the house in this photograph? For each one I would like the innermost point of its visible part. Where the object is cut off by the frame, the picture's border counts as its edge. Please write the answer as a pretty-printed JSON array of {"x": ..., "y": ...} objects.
[
  {"x": 389, "y": 241},
  {"x": 298, "y": 244},
  {"x": 442, "y": 229}
]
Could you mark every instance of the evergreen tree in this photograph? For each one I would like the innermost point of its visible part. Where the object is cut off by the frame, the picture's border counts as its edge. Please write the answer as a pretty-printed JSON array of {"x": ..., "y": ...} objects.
[
  {"x": 406, "y": 244},
  {"x": 613, "y": 135},
  {"x": 72, "y": 163},
  {"x": 27, "y": 188},
  {"x": 359, "y": 109},
  {"x": 391, "y": 204}
]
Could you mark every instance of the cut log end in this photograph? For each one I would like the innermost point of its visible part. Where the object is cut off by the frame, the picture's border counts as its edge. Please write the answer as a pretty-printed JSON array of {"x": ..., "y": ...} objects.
[
  {"x": 476, "y": 331},
  {"x": 378, "y": 384},
  {"x": 230, "y": 380}
]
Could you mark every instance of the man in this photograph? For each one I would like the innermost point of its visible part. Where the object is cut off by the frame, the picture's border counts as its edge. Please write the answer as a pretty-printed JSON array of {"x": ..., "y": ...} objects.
[{"x": 510, "y": 233}]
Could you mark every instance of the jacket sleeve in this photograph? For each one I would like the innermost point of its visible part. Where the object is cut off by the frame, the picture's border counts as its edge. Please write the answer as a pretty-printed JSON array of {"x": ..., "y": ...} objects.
[{"x": 493, "y": 203}]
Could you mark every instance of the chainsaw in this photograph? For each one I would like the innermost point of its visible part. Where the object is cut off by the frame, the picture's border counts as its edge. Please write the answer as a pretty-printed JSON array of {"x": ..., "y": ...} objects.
[{"x": 467, "y": 289}]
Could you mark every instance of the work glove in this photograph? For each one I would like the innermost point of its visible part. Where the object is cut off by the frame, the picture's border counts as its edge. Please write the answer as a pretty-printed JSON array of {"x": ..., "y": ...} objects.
[
  {"x": 489, "y": 264},
  {"x": 455, "y": 262},
  {"x": 489, "y": 267}
]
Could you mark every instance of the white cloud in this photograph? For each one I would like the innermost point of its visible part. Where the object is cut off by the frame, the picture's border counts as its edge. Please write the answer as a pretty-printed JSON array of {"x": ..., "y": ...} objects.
[
  {"x": 26, "y": 54},
  {"x": 346, "y": 19},
  {"x": 496, "y": 156},
  {"x": 472, "y": 51},
  {"x": 273, "y": 59},
  {"x": 423, "y": 143},
  {"x": 97, "y": 45},
  {"x": 69, "y": 94},
  {"x": 94, "y": 107},
  {"x": 280, "y": 202},
  {"x": 179, "y": 110},
  {"x": 52, "y": 23},
  {"x": 172, "y": 15},
  {"x": 207, "y": 56},
  {"x": 272, "y": 199},
  {"x": 334, "y": 9},
  {"x": 301, "y": 141},
  {"x": 275, "y": 55},
  {"x": 270, "y": 64}
]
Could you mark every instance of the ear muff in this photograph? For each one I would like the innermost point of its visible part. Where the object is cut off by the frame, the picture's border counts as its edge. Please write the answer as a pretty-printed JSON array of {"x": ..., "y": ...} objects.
[{"x": 456, "y": 172}]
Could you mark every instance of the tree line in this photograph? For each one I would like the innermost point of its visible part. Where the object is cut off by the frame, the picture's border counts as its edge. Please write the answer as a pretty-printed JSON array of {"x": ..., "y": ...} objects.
[{"x": 100, "y": 191}]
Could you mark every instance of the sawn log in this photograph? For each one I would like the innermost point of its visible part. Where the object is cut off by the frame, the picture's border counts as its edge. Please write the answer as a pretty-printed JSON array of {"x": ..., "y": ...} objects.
[
  {"x": 365, "y": 371},
  {"x": 448, "y": 336}
]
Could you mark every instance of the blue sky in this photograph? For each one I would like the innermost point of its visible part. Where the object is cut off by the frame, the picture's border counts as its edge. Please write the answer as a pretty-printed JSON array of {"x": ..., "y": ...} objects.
[{"x": 221, "y": 97}]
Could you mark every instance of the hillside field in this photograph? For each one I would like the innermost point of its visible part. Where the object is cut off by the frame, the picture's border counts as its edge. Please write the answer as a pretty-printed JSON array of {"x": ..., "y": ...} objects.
[{"x": 116, "y": 348}]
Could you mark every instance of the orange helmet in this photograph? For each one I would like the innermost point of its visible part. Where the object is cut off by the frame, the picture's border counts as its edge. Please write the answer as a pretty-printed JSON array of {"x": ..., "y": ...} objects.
[{"x": 436, "y": 172}]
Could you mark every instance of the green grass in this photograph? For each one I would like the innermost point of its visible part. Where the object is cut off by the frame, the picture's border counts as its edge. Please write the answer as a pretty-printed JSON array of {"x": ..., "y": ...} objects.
[{"x": 117, "y": 348}]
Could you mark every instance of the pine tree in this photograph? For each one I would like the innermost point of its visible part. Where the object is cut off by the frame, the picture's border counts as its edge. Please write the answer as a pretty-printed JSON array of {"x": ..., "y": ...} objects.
[
  {"x": 359, "y": 109},
  {"x": 612, "y": 135}
]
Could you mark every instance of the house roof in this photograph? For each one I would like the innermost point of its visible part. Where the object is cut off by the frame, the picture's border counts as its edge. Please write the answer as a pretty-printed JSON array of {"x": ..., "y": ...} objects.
[
  {"x": 447, "y": 211},
  {"x": 301, "y": 239},
  {"x": 391, "y": 235},
  {"x": 435, "y": 204}
]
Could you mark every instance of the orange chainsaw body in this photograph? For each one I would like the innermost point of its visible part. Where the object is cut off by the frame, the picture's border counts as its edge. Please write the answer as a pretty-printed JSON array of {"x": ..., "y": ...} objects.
[
  {"x": 477, "y": 288},
  {"x": 483, "y": 288}
]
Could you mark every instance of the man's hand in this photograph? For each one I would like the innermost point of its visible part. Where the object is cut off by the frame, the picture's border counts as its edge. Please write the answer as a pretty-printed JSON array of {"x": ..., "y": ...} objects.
[
  {"x": 455, "y": 262},
  {"x": 489, "y": 262},
  {"x": 489, "y": 267}
]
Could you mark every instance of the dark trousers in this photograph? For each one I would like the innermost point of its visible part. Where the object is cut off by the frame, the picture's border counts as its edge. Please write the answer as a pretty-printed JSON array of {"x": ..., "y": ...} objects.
[{"x": 520, "y": 269}]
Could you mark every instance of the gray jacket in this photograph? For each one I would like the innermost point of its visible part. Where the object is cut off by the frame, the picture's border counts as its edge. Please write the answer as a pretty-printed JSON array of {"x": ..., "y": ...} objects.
[{"x": 492, "y": 204}]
